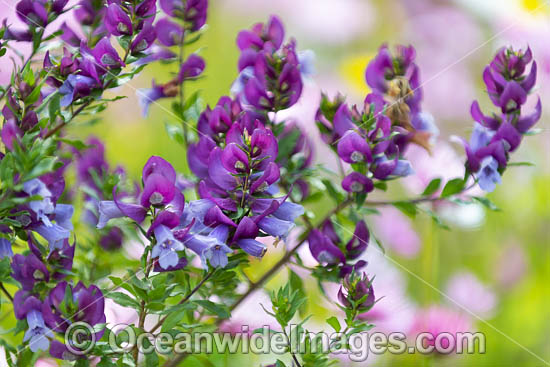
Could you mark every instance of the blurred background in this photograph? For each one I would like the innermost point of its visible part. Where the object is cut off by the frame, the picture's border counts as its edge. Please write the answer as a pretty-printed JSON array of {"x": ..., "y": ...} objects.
[{"x": 494, "y": 265}]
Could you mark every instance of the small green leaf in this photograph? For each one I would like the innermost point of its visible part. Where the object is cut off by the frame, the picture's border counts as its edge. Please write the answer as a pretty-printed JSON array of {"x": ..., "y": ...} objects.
[
  {"x": 486, "y": 203},
  {"x": 123, "y": 299},
  {"x": 519, "y": 164},
  {"x": 173, "y": 319},
  {"x": 407, "y": 208},
  {"x": 453, "y": 187},
  {"x": 220, "y": 310},
  {"x": 333, "y": 321},
  {"x": 432, "y": 187}
]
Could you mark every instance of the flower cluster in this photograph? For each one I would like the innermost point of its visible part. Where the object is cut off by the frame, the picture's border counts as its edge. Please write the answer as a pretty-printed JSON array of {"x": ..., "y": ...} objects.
[
  {"x": 495, "y": 137},
  {"x": 269, "y": 72},
  {"x": 162, "y": 200},
  {"x": 184, "y": 19},
  {"x": 238, "y": 173},
  {"x": 63, "y": 305},
  {"x": 396, "y": 77},
  {"x": 45, "y": 308}
]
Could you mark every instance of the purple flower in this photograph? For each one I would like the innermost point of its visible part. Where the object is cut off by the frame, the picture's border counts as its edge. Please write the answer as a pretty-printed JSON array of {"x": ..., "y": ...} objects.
[
  {"x": 58, "y": 6},
  {"x": 353, "y": 148},
  {"x": 358, "y": 183},
  {"x": 37, "y": 334},
  {"x": 112, "y": 240},
  {"x": 105, "y": 54},
  {"x": 151, "y": 95},
  {"x": 10, "y": 133},
  {"x": 89, "y": 11},
  {"x": 74, "y": 87},
  {"x": 211, "y": 247},
  {"x": 144, "y": 39},
  {"x": 118, "y": 23},
  {"x": 272, "y": 32},
  {"x": 359, "y": 242},
  {"x": 488, "y": 175},
  {"x": 192, "y": 11},
  {"x": 166, "y": 244},
  {"x": 43, "y": 206},
  {"x": 28, "y": 270},
  {"x": 191, "y": 68},
  {"x": 324, "y": 250},
  {"x": 66, "y": 304},
  {"x": 169, "y": 33},
  {"x": 32, "y": 12},
  {"x": 159, "y": 179}
]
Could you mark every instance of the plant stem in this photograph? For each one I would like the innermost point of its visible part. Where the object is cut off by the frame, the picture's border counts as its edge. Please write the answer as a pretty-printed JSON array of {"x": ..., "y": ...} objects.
[
  {"x": 181, "y": 91},
  {"x": 185, "y": 299},
  {"x": 5, "y": 291}
]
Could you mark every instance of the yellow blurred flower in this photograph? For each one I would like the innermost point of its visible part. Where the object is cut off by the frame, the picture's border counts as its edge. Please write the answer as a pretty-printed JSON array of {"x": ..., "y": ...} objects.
[
  {"x": 352, "y": 70},
  {"x": 535, "y": 6}
]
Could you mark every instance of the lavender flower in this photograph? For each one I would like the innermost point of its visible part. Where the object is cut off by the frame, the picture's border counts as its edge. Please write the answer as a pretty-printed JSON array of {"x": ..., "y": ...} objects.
[{"x": 5, "y": 248}]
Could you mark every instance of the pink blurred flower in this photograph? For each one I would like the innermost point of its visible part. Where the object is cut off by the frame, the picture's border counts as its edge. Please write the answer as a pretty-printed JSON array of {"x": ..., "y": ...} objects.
[
  {"x": 466, "y": 289},
  {"x": 396, "y": 231},
  {"x": 438, "y": 48},
  {"x": 326, "y": 21},
  {"x": 437, "y": 320},
  {"x": 46, "y": 362},
  {"x": 511, "y": 266}
]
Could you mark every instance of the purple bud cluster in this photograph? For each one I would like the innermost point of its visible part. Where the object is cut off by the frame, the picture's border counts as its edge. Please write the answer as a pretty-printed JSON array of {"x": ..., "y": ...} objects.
[
  {"x": 334, "y": 254},
  {"x": 269, "y": 72},
  {"x": 494, "y": 137}
]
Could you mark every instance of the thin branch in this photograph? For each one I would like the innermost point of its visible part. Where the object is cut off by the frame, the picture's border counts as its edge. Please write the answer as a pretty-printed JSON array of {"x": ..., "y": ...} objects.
[
  {"x": 185, "y": 299},
  {"x": 5, "y": 291}
]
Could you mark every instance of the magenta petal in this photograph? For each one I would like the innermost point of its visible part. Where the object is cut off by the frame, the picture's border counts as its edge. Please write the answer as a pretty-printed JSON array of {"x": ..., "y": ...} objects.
[
  {"x": 218, "y": 174},
  {"x": 234, "y": 159},
  {"x": 508, "y": 133},
  {"x": 246, "y": 229},
  {"x": 353, "y": 148},
  {"x": 134, "y": 211},
  {"x": 526, "y": 122},
  {"x": 158, "y": 165},
  {"x": 157, "y": 190},
  {"x": 214, "y": 216},
  {"x": 477, "y": 115}
]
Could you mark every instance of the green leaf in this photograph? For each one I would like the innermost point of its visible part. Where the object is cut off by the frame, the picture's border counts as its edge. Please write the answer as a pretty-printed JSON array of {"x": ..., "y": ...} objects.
[
  {"x": 173, "y": 319},
  {"x": 297, "y": 285},
  {"x": 453, "y": 187},
  {"x": 486, "y": 203},
  {"x": 432, "y": 187},
  {"x": 407, "y": 208},
  {"x": 175, "y": 132},
  {"x": 333, "y": 321},
  {"x": 519, "y": 164},
  {"x": 220, "y": 310},
  {"x": 381, "y": 185},
  {"x": 123, "y": 299}
]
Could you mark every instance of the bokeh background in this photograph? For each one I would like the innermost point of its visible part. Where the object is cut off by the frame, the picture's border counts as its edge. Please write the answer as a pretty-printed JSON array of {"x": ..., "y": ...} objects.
[{"x": 491, "y": 271}]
